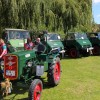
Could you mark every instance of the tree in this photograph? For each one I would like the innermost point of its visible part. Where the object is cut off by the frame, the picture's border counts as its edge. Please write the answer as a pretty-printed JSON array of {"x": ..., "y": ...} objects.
[{"x": 56, "y": 15}]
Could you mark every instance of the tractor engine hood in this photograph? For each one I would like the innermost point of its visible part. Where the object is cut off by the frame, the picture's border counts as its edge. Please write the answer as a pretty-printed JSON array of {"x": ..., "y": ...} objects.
[
  {"x": 15, "y": 62},
  {"x": 84, "y": 42},
  {"x": 25, "y": 54},
  {"x": 55, "y": 44}
]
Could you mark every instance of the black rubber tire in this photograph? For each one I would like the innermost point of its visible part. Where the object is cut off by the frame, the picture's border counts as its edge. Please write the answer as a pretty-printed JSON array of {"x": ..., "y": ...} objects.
[
  {"x": 54, "y": 73},
  {"x": 73, "y": 53},
  {"x": 35, "y": 83},
  {"x": 96, "y": 50}
]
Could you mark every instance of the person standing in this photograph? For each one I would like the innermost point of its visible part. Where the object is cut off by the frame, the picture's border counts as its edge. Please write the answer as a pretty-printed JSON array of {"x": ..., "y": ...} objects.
[
  {"x": 3, "y": 51},
  {"x": 3, "y": 48},
  {"x": 38, "y": 41}
]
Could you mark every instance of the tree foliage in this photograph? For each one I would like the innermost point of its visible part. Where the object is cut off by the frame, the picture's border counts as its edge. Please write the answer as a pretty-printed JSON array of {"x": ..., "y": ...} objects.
[{"x": 56, "y": 15}]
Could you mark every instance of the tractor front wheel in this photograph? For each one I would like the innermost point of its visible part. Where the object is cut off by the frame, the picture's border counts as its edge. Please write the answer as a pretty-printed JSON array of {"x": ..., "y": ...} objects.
[
  {"x": 73, "y": 53},
  {"x": 54, "y": 73},
  {"x": 35, "y": 89}
]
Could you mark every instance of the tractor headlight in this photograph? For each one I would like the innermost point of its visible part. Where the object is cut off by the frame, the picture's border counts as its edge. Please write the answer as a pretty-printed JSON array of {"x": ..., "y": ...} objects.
[
  {"x": 29, "y": 64},
  {"x": 55, "y": 50}
]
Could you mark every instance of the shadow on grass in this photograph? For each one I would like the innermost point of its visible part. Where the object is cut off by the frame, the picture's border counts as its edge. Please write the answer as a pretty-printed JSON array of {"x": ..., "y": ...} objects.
[
  {"x": 18, "y": 90},
  {"x": 46, "y": 85}
]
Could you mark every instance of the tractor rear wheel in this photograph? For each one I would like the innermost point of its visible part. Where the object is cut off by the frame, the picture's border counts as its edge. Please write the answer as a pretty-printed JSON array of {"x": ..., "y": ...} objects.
[
  {"x": 54, "y": 73},
  {"x": 35, "y": 89},
  {"x": 96, "y": 50}
]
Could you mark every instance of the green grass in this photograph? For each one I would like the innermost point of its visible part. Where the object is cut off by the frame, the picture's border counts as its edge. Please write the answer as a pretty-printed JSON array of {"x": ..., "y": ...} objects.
[{"x": 80, "y": 80}]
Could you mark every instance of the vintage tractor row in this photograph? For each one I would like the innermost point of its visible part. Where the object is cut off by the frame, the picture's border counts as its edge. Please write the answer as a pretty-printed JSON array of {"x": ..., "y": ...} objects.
[
  {"x": 75, "y": 44},
  {"x": 27, "y": 67}
]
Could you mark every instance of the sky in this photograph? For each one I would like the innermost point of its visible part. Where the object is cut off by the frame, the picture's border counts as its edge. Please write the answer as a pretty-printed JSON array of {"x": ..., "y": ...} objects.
[{"x": 96, "y": 10}]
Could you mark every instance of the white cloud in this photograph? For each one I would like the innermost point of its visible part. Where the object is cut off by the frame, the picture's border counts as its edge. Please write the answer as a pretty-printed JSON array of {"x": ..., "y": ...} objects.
[{"x": 96, "y": 1}]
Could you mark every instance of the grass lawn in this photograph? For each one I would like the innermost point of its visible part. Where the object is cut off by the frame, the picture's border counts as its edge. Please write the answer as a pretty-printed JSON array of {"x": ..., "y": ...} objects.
[{"x": 80, "y": 80}]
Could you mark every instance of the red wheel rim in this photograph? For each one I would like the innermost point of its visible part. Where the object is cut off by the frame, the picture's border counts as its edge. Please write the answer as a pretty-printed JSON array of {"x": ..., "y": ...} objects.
[
  {"x": 57, "y": 72},
  {"x": 37, "y": 92},
  {"x": 73, "y": 53},
  {"x": 96, "y": 50}
]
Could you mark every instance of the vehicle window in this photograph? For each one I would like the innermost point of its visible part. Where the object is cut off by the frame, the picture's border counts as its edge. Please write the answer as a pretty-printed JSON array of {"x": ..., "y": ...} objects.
[
  {"x": 11, "y": 35},
  {"x": 95, "y": 35},
  {"x": 92, "y": 35},
  {"x": 53, "y": 37},
  {"x": 99, "y": 35},
  {"x": 80, "y": 36},
  {"x": 18, "y": 34},
  {"x": 25, "y": 34}
]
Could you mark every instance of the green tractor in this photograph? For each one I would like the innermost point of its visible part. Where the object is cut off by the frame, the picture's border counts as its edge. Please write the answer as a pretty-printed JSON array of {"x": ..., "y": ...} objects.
[
  {"x": 27, "y": 67},
  {"x": 15, "y": 39},
  {"x": 77, "y": 44},
  {"x": 52, "y": 41},
  {"x": 94, "y": 38}
]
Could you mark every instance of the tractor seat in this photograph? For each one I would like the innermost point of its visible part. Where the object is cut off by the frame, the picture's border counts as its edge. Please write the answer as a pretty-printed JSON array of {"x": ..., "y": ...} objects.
[{"x": 40, "y": 48}]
